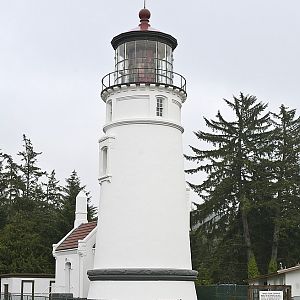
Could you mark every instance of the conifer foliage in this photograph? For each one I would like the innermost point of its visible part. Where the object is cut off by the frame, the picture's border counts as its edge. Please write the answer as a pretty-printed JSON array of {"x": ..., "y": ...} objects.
[
  {"x": 35, "y": 212},
  {"x": 285, "y": 201},
  {"x": 250, "y": 190}
]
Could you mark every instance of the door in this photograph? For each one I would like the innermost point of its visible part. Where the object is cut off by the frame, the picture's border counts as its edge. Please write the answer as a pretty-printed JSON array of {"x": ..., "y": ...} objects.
[
  {"x": 27, "y": 290},
  {"x": 51, "y": 285},
  {"x": 6, "y": 292}
]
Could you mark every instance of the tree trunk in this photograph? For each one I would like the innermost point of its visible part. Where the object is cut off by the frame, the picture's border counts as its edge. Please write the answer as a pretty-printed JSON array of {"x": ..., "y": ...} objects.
[
  {"x": 275, "y": 241},
  {"x": 251, "y": 261},
  {"x": 246, "y": 232}
]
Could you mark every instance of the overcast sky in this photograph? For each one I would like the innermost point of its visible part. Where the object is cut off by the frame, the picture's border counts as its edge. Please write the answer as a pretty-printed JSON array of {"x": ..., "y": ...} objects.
[{"x": 54, "y": 53}]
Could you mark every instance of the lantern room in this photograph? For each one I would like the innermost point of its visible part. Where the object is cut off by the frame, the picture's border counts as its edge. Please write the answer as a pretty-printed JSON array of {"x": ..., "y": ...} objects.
[
  {"x": 144, "y": 61},
  {"x": 144, "y": 55}
]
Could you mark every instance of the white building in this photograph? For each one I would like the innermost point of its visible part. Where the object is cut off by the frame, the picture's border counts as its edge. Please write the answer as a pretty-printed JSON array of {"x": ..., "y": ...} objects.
[
  {"x": 288, "y": 276},
  {"x": 16, "y": 285},
  {"x": 143, "y": 248},
  {"x": 74, "y": 254}
]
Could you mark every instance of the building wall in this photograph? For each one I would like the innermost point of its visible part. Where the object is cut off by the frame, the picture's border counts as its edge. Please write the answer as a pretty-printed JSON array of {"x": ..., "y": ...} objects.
[
  {"x": 41, "y": 285},
  {"x": 277, "y": 280},
  {"x": 62, "y": 259},
  {"x": 293, "y": 279},
  {"x": 81, "y": 260},
  {"x": 88, "y": 264},
  {"x": 145, "y": 178}
]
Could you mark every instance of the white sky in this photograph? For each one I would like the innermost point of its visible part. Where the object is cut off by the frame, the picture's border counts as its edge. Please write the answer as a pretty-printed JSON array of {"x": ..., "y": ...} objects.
[{"x": 54, "y": 53}]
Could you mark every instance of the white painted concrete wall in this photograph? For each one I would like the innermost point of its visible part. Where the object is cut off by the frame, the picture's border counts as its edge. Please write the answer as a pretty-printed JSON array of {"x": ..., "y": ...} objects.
[
  {"x": 277, "y": 280},
  {"x": 41, "y": 285},
  {"x": 293, "y": 279},
  {"x": 87, "y": 263},
  {"x": 82, "y": 260},
  {"x": 62, "y": 258},
  {"x": 143, "y": 211},
  {"x": 140, "y": 102},
  {"x": 143, "y": 290}
]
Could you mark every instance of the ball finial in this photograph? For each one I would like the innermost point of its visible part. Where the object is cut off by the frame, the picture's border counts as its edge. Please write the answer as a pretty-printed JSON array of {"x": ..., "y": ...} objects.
[{"x": 144, "y": 15}]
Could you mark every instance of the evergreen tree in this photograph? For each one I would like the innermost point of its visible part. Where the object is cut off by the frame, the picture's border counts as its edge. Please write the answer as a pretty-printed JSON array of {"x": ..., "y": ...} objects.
[
  {"x": 285, "y": 202},
  {"x": 67, "y": 212},
  {"x": 10, "y": 186},
  {"x": 239, "y": 150},
  {"x": 218, "y": 255},
  {"x": 3, "y": 201},
  {"x": 31, "y": 175},
  {"x": 53, "y": 191},
  {"x": 34, "y": 214},
  {"x": 22, "y": 248}
]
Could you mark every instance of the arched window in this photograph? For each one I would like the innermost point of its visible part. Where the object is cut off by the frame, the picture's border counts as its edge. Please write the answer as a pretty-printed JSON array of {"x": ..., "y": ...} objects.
[
  {"x": 104, "y": 160},
  {"x": 105, "y": 155},
  {"x": 67, "y": 277}
]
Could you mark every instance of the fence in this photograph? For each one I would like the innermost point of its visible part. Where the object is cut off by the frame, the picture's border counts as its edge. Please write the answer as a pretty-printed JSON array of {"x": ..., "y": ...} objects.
[
  {"x": 253, "y": 291},
  {"x": 212, "y": 292},
  {"x": 53, "y": 296},
  {"x": 10, "y": 296},
  {"x": 222, "y": 292}
]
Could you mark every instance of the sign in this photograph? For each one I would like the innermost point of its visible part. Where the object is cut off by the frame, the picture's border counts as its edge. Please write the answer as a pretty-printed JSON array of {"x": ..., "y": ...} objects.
[{"x": 270, "y": 295}]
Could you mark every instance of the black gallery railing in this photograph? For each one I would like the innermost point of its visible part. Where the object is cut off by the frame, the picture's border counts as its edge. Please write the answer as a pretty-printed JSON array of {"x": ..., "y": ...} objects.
[{"x": 143, "y": 75}]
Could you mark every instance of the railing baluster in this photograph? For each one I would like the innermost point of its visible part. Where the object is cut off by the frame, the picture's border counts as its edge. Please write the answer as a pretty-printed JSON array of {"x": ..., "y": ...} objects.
[{"x": 144, "y": 75}]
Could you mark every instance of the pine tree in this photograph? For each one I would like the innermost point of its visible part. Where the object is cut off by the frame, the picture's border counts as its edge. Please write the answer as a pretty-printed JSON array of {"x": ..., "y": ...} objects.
[
  {"x": 11, "y": 186},
  {"x": 3, "y": 200},
  {"x": 67, "y": 212},
  {"x": 213, "y": 248},
  {"x": 23, "y": 249},
  {"x": 286, "y": 176},
  {"x": 239, "y": 150},
  {"x": 34, "y": 213},
  {"x": 53, "y": 191},
  {"x": 31, "y": 175}
]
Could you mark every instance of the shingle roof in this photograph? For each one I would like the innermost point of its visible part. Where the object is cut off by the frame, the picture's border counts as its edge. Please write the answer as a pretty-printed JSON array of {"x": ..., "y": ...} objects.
[{"x": 71, "y": 242}]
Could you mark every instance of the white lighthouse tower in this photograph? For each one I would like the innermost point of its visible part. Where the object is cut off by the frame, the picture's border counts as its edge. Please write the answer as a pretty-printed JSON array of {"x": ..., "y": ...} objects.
[{"x": 142, "y": 245}]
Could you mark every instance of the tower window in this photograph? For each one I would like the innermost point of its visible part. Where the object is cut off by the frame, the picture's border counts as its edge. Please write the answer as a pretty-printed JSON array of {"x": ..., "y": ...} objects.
[
  {"x": 105, "y": 144},
  {"x": 159, "y": 106},
  {"x": 104, "y": 160},
  {"x": 109, "y": 111}
]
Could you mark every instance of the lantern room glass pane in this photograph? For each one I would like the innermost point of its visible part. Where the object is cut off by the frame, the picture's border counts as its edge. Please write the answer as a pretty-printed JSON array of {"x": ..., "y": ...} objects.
[
  {"x": 120, "y": 63},
  {"x": 169, "y": 64},
  {"x": 169, "y": 54},
  {"x": 130, "y": 62}
]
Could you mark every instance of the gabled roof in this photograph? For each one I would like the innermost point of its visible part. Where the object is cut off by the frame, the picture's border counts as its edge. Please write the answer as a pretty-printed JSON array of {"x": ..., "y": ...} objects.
[
  {"x": 71, "y": 241},
  {"x": 277, "y": 273},
  {"x": 291, "y": 269}
]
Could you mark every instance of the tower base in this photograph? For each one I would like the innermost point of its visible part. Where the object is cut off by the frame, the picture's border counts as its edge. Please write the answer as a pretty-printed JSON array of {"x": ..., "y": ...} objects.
[
  {"x": 142, "y": 290},
  {"x": 142, "y": 284}
]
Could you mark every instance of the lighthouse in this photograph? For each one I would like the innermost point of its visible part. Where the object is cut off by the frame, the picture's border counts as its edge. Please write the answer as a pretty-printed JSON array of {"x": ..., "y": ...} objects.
[{"x": 142, "y": 246}]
